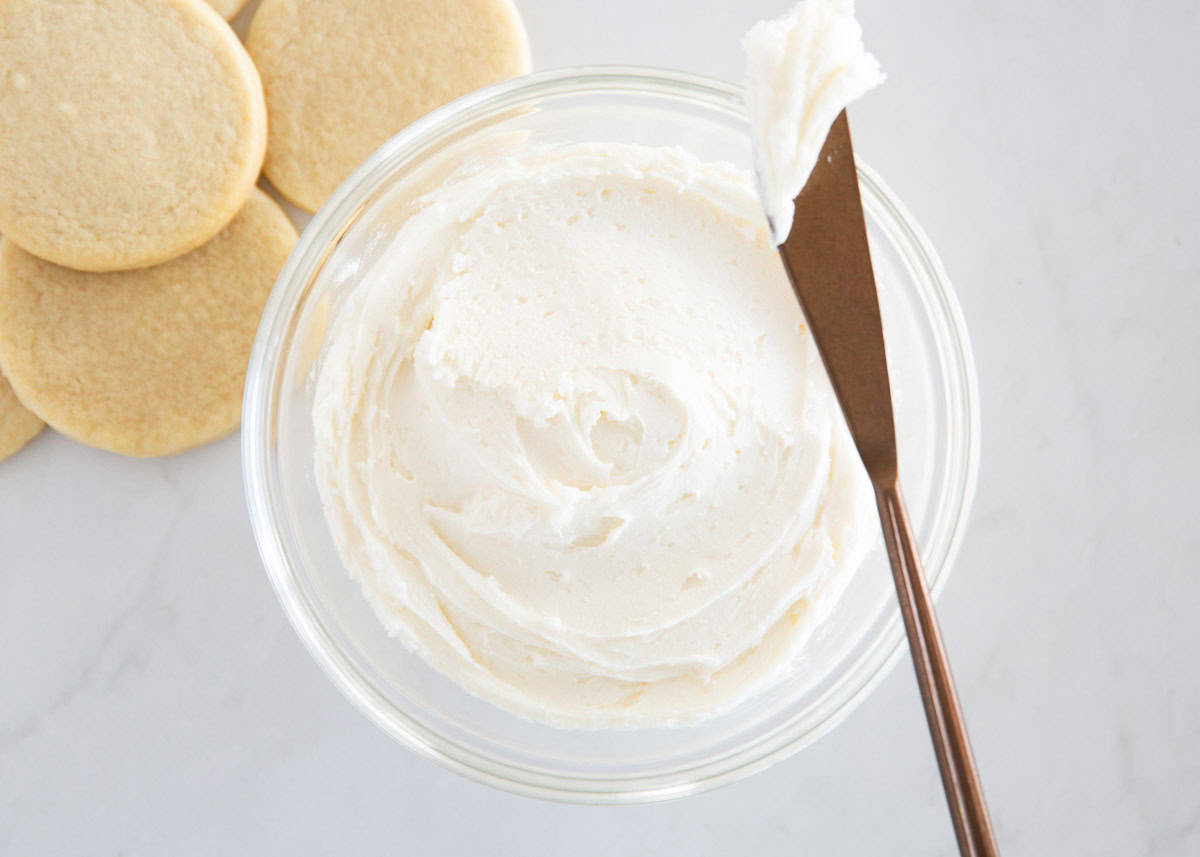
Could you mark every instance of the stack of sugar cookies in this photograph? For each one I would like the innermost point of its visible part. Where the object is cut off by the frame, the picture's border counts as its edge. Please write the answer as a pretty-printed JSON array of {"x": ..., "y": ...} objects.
[{"x": 137, "y": 253}]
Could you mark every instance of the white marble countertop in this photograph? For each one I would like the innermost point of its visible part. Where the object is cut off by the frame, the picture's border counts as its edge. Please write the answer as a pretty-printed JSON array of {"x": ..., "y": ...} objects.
[{"x": 155, "y": 700}]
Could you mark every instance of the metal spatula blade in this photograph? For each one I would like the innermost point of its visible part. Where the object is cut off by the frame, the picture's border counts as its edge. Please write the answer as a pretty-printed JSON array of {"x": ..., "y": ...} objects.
[{"x": 828, "y": 260}]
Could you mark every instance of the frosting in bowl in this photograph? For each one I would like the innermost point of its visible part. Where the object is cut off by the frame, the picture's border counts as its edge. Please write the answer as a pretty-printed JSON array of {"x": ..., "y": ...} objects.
[{"x": 576, "y": 445}]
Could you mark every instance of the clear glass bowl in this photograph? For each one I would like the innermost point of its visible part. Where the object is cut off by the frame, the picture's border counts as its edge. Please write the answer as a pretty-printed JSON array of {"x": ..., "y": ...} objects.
[{"x": 936, "y": 408}]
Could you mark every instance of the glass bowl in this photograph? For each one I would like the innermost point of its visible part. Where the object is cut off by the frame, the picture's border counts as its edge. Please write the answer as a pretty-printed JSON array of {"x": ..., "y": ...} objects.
[{"x": 937, "y": 424}]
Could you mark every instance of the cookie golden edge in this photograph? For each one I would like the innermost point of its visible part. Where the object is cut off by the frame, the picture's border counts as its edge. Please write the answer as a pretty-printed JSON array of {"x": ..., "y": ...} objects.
[
  {"x": 18, "y": 424},
  {"x": 246, "y": 181},
  {"x": 229, "y": 10}
]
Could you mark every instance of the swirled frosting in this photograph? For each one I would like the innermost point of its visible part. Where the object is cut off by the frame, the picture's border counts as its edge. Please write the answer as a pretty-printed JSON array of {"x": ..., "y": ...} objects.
[{"x": 575, "y": 443}]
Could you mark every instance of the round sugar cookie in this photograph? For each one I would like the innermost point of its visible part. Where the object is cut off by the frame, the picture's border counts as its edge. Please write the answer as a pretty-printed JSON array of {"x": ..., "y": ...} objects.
[
  {"x": 342, "y": 76},
  {"x": 18, "y": 424},
  {"x": 145, "y": 362},
  {"x": 131, "y": 131}
]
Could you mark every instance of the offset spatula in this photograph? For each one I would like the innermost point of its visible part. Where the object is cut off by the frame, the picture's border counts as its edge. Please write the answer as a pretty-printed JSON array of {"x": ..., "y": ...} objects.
[{"x": 829, "y": 264}]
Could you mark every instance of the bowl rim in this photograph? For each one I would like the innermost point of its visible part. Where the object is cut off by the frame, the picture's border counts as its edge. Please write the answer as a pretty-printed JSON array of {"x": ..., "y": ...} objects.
[{"x": 264, "y": 500}]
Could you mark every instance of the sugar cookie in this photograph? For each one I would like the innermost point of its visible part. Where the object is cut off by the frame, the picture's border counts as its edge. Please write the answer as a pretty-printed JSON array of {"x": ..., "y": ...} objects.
[
  {"x": 144, "y": 362},
  {"x": 18, "y": 424},
  {"x": 342, "y": 76},
  {"x": 131, "y": 131}
]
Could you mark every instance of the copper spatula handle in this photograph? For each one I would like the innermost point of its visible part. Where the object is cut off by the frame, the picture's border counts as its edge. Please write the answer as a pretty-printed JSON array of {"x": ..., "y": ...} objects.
[{"x": 959, "y": 777}]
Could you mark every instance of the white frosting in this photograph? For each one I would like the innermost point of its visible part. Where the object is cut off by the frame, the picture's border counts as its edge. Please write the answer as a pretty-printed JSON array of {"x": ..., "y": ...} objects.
[
  {"x": 802, "y": 70},
  {"x": 575, "y": 443}
]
